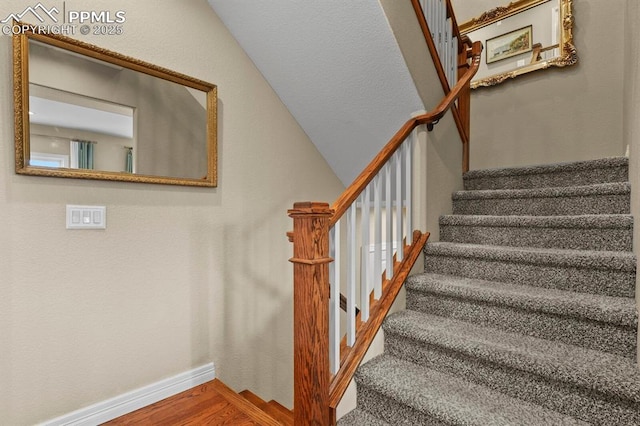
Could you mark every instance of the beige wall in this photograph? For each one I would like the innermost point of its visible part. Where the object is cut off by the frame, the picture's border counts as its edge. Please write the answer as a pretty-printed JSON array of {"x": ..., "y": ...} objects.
[
  {"x": 560, "y": 114},
  {"x": 182, "y": 276}
]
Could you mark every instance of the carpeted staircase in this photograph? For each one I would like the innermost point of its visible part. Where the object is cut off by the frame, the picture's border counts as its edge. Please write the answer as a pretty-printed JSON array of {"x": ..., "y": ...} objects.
[{"x": 525, "y": 314}]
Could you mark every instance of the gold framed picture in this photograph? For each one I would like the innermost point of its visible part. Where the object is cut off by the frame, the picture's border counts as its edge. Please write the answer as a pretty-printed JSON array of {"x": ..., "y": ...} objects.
[{"x": 510, "y": 44}]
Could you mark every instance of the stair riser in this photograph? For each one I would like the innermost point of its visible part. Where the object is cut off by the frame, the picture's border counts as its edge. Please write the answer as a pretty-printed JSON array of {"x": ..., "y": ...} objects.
[
  {"x": 392, "y": 411},
  {"x": 568, "y": 178},
  {"x": 544, "y": 206},
  {"x": 561, "y": 238},
  {"x": 595, "y": 281},
  {"x": 604, "y": 337},
  {"x": 577, "y": 402}
]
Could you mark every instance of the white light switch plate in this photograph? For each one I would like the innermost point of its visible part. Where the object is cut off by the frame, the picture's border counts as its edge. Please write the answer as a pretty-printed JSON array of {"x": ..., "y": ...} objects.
[{"x": 86, "y": 217}]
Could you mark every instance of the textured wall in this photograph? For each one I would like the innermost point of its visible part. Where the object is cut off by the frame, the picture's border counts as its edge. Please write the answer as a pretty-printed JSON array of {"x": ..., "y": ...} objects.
[
  {"x": 560, "y": 114},
  {"x": 182, "y": 276}
]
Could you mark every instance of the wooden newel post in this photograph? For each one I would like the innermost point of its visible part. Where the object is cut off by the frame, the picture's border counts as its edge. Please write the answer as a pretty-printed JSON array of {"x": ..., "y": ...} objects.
[{"x": 311, "y": 313}]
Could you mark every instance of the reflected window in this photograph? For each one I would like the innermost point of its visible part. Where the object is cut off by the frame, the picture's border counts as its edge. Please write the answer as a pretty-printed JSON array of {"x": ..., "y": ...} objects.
[{"x": 43, "y": 159}]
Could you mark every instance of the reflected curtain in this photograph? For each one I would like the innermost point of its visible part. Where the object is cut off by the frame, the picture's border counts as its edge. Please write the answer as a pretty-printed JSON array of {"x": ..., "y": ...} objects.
[
  {"x": 81, "y": 154},
  {"x": 128, "y": 165}
]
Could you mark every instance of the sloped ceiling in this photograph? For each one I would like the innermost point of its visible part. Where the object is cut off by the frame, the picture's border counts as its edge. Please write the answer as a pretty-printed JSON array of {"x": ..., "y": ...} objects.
[{"x": 336, "y": 66}]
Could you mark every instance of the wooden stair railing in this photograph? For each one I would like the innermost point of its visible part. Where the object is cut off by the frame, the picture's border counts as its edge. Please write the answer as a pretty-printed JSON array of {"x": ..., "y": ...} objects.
[
  {"x": 326, "y": 355},
  {"x": 461, "y": 112}
]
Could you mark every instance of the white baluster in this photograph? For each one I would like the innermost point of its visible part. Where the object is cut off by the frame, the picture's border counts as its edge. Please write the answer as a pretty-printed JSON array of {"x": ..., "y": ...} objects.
[
  {"x": 408, "y": 166},
  {"x": 431, "y": 18},
  {"x": 334, "y": 299},
  {"x": 351, "y": 275},
  {"x": 399, "y": 234},
  {"x": 438, "y": 37},
  {"x": 436, "y": 17},
  {"x": 454, "y": 62},
  {"x": 443, "y": 22},
  {"x": 377, "y": 248},
  {"x": 388, "y": 221},
  {"x": 447, "y": 51},
  {"x": 365, "y": 279}
]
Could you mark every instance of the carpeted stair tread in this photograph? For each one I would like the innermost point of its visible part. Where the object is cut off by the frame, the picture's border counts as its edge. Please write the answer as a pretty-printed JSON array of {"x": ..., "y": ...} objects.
[
  {"x": 603, "y": 198},
  {"x": 550, "y": 168},
  {"x": 551, "y": 192},
  {"x": 598, "y": 221},
  {"x": 583, "y": 232},
  {"x": 610, "y": 273},
  {"x": 431, "y": 397},
  {"x": 612, "y": 169},
  {"x": 358, "y": 417},
  {"x": 614, "y": 310},
  {"x": 592, "y": 321},
  {"x": 622, "y": 261},
  {"x": 607, "y": 374}
]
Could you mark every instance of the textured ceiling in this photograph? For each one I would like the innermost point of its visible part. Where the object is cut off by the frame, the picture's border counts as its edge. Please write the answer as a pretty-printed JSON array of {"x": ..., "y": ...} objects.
[{"x": 336, "y": 66}]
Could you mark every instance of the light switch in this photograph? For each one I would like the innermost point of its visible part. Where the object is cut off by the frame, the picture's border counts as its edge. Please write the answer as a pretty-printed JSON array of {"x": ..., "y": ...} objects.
[
  {"x": 75, "y": 216},
  {"x": 86, "y": 217}
]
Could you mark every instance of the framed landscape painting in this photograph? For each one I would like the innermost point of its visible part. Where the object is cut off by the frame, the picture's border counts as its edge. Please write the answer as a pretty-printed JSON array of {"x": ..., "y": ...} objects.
[{"x": 510, "y": 44}]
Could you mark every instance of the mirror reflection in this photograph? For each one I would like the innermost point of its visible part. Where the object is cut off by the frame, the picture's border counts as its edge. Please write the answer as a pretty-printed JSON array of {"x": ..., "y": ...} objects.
[
  {"x": 99, "y": 115},
  {"x": 520, "y": 37},
  {"x": 75, "y": 131}
]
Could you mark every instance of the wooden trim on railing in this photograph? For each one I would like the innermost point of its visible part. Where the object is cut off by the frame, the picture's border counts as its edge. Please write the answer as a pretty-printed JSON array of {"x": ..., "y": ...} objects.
[
  {"x": 360, "y": 183},
  {"x": 378, "y": 311}
]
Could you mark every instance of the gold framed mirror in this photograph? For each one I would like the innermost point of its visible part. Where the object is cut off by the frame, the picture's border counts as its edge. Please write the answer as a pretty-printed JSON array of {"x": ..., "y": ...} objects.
[
  {"x": 89, "y": 113},
  {"x": 522, "y": 37}
]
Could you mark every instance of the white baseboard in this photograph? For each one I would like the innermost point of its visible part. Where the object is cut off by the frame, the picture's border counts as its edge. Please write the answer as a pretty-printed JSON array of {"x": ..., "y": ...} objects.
[{"x": 136, "y": 399}]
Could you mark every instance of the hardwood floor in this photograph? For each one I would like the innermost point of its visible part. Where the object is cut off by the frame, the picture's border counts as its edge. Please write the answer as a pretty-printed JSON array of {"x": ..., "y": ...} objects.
[{"x": 212, "y": 403}]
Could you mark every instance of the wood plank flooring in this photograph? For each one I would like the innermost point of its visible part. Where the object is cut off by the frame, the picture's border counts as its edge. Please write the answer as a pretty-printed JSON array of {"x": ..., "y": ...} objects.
[{"x": 212, "y": 403}]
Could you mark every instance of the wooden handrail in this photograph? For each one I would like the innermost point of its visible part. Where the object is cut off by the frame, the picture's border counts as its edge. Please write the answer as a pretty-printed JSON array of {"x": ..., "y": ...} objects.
[{"x": 341, "y": 205}]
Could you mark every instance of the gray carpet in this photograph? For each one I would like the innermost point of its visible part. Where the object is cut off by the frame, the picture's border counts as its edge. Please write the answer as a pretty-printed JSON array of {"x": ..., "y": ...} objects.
[
  {"x": 584, "y": 232},
  {"x": 525, "y": 314}
]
